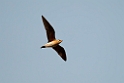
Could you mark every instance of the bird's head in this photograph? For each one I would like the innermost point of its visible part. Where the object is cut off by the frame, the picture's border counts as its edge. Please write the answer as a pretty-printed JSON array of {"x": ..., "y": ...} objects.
[{"x": 59, "y": 40}]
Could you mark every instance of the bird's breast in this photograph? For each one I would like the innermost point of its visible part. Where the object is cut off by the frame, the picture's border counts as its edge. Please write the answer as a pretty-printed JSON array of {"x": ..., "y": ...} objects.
[{"x": 52, "y": 43}]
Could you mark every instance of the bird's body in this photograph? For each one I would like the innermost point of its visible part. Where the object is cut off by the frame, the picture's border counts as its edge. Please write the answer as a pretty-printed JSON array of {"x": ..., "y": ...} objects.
[{"x": 52, "y": 41}]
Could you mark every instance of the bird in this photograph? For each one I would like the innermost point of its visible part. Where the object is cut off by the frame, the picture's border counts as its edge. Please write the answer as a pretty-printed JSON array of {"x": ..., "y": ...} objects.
[{"x": 52, "y": 41}]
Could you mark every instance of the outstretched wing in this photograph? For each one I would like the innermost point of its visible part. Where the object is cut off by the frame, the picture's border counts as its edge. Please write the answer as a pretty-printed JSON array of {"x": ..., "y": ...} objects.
[
  {"x": 49, "y": 30},
  {"x": 60, "y": 50}
]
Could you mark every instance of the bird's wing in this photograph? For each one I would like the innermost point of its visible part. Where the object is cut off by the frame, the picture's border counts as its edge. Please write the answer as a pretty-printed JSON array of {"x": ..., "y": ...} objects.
[
  {"x": 60, "y": 50},
  {"x": 49, "y": 30}
]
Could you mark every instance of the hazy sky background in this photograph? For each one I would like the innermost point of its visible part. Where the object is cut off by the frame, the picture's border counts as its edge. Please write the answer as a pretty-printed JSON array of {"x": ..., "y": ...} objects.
[{"x": 93, "y": 37}]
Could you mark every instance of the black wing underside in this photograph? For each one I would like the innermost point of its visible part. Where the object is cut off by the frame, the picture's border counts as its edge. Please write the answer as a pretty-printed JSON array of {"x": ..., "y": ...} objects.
[
  {"x": 49, "y": 30},
  {"x": 60, "y": 50}
]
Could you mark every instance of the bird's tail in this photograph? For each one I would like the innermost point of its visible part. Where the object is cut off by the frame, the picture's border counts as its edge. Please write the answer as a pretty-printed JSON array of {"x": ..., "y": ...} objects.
[{"x": 43, "y": 47}]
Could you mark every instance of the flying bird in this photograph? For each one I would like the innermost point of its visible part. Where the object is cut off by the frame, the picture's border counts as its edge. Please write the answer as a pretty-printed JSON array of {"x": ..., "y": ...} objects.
[{"x": 52, "y": 41}]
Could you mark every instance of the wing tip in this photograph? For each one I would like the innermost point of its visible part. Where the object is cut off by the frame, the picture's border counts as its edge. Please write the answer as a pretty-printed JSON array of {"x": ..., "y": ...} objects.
[
  {"x": 64, "y": 58},
  {"x": 42, "y": 16}
]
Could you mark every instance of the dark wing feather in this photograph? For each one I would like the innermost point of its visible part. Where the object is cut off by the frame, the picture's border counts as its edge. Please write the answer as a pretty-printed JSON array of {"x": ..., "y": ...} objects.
[
  {"x": 49, "y": 30},
  {"x": 60, "y": 50}
]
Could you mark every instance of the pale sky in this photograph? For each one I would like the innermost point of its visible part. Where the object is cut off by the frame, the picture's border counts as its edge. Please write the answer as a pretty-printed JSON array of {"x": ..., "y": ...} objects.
[{"x": 93, "y": 37}]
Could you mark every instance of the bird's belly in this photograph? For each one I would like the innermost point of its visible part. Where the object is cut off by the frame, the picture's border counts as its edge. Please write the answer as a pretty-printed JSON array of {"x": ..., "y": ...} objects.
[{"x": 51, "y": 44}]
